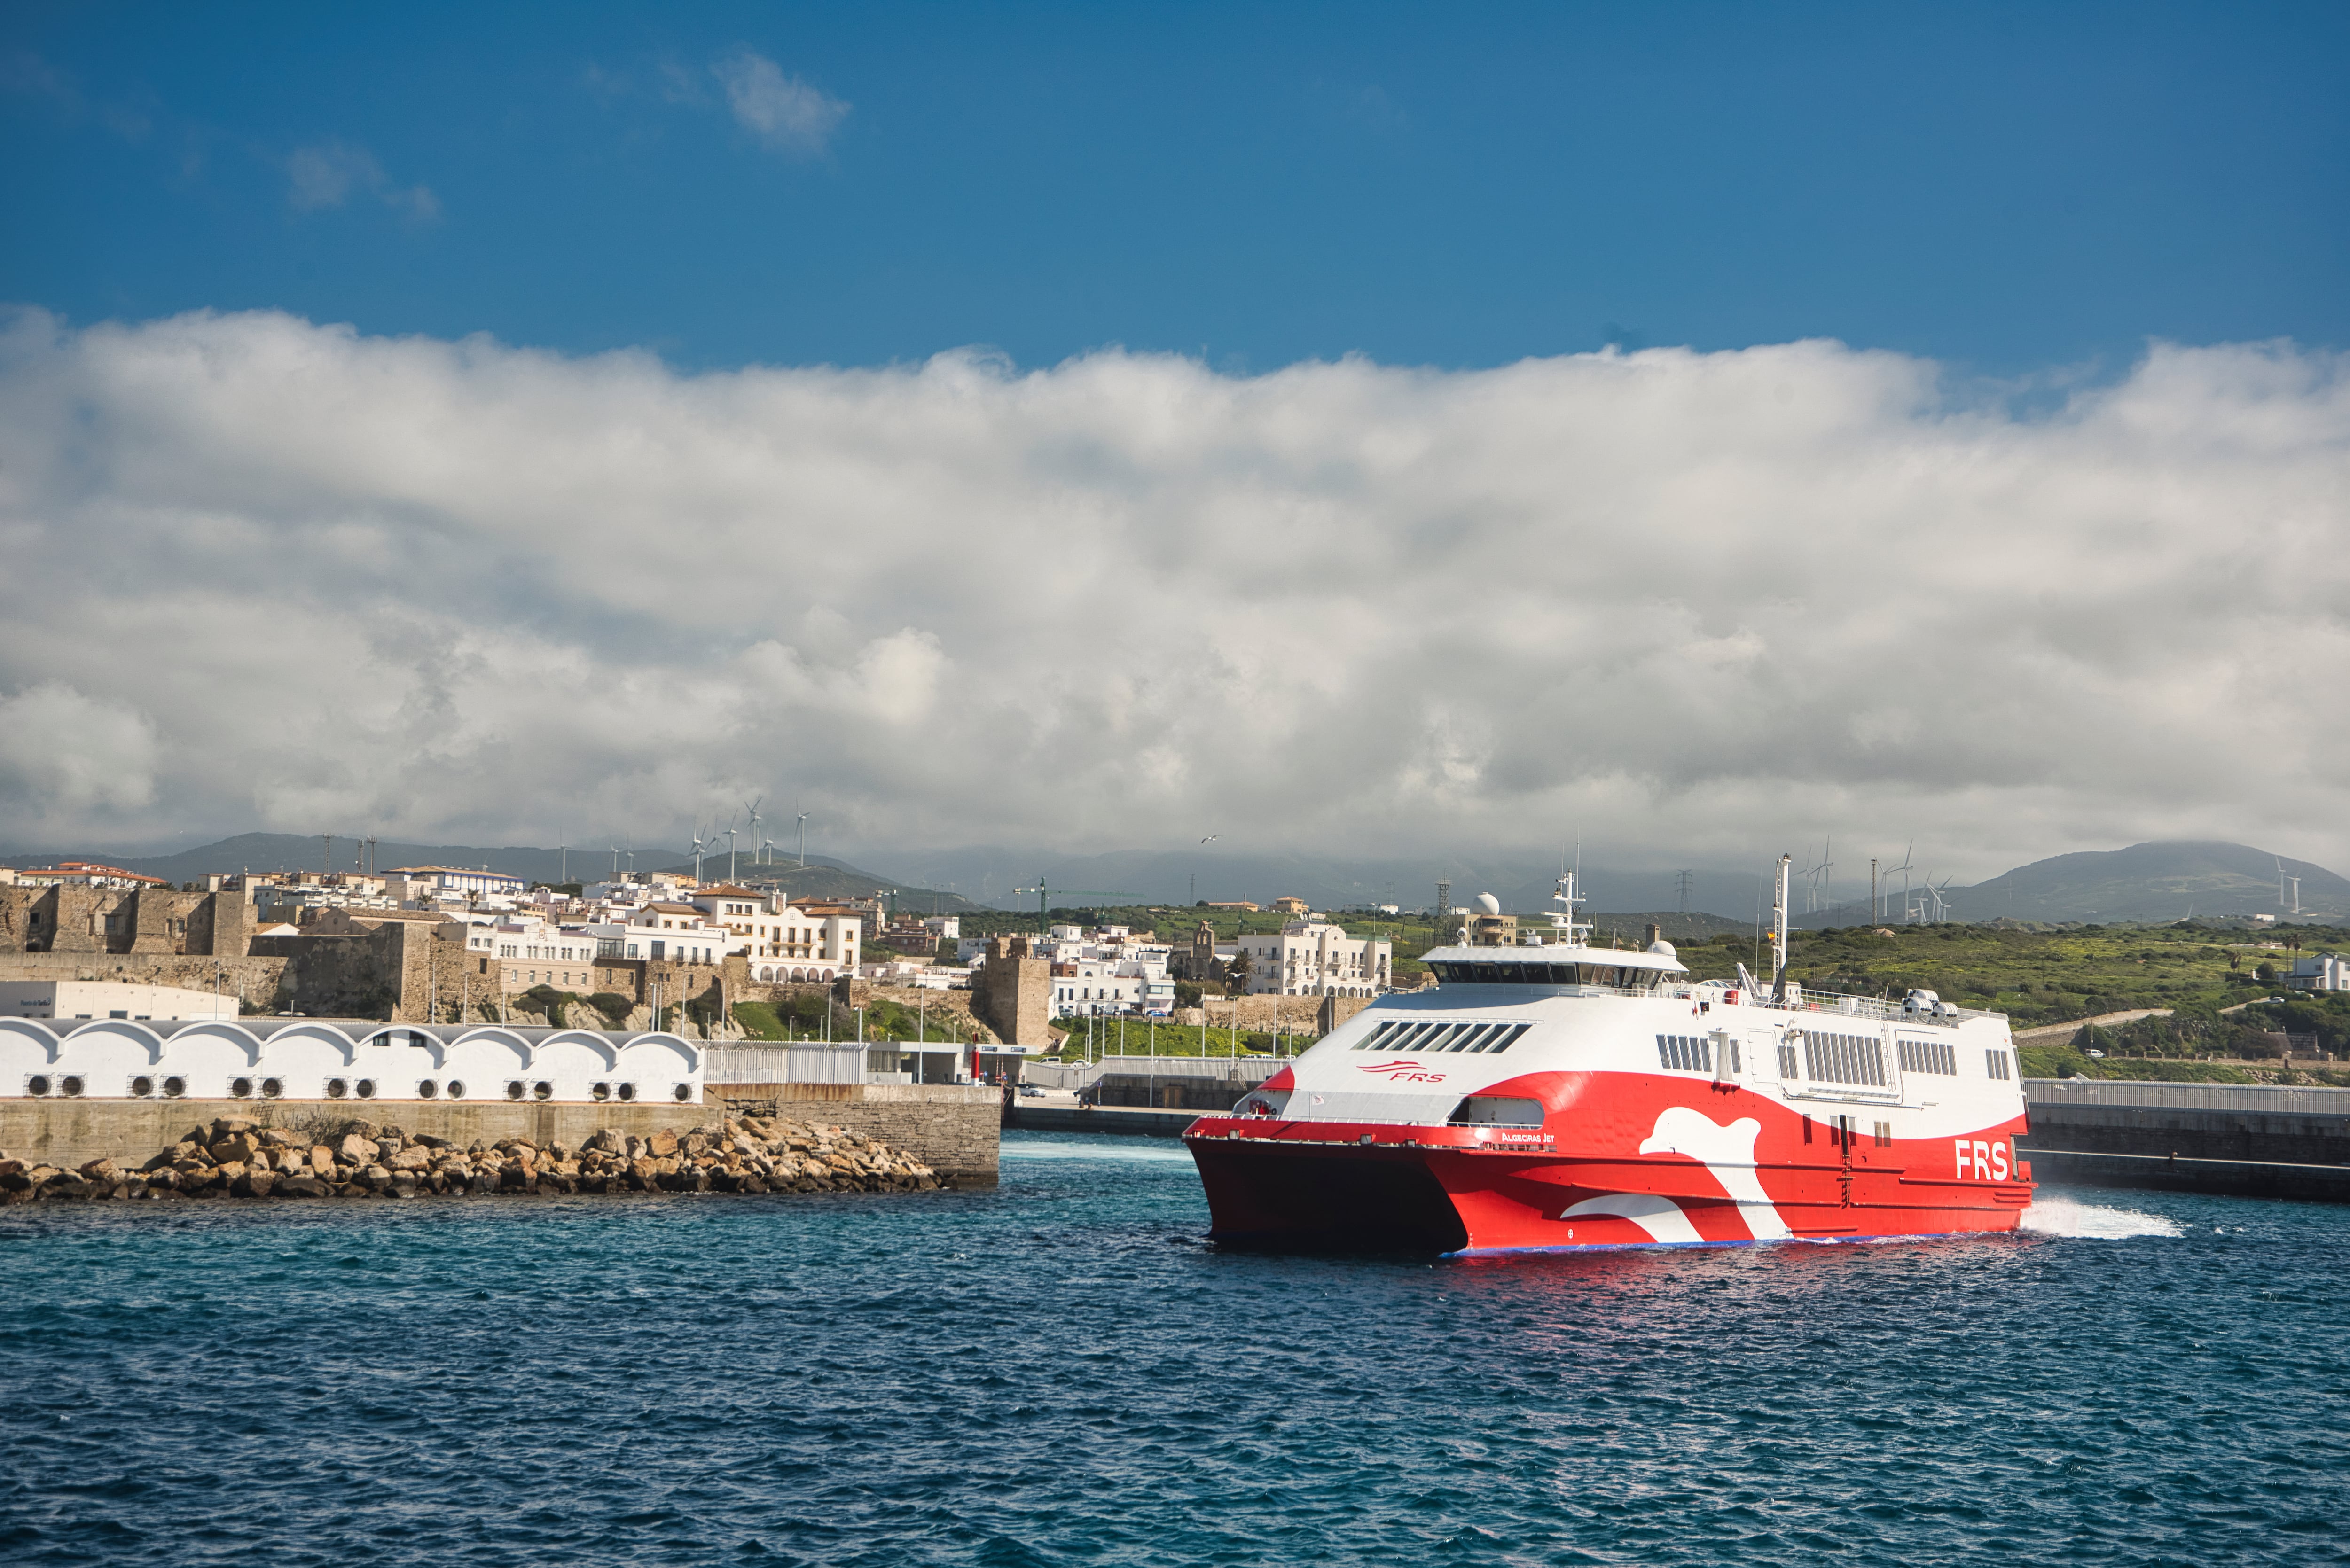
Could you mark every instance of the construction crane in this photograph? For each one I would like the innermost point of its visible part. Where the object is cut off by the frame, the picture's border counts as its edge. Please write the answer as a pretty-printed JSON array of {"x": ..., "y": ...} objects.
[{"x": 1045, "y": 898}]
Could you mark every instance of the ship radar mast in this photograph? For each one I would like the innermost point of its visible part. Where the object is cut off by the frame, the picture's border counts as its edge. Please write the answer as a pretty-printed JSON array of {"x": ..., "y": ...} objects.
[{"x": 1564, "y": 920}]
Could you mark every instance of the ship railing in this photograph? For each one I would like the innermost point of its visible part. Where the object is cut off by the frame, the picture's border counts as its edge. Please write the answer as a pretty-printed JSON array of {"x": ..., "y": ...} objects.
[{"x": 1809, "y": 1001}]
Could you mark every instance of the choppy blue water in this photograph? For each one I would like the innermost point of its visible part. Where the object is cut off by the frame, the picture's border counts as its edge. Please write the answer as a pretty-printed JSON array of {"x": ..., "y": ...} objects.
[{"x": 1061, "y": 1372}]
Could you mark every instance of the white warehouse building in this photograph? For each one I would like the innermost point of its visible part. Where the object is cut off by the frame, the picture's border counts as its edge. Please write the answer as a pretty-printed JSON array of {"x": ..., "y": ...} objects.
[{"x": 346, "y": 1059}]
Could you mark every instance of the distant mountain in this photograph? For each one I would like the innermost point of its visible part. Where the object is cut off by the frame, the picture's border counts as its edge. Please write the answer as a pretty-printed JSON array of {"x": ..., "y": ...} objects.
[
  {"x": 821, "y": 878},
  {"x": 2146, "y": 882},
  {"x": 992, "y": 877}
]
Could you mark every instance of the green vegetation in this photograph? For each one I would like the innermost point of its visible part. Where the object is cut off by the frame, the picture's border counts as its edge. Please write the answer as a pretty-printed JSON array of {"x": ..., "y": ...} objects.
[
  {"x": 801, "y": 1016},
  {"x": 1144, "y": 1037}
]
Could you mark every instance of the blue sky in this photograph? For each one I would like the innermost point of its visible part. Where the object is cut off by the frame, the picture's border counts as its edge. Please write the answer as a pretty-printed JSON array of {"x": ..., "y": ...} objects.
[
  {"x": 1977, "y": 454},
  {"x": 2001, "y": 188}
]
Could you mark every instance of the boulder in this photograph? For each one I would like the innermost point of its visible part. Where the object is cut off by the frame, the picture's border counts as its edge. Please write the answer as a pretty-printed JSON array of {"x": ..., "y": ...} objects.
[
  {"x": 228, "y": 1126},
  {"x": 663, "y": 1144},
  {"x": 358, "y": 1149},
  {"x": 302, "y": 1187},
  {"x": 237, "y": 1147},
  {"x": 411, "y": 1158}
]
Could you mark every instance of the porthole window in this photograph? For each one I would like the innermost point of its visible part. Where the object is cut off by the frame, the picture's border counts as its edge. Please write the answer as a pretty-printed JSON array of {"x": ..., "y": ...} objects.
[
  {"x": 366, "y": 1089},
  {"x": 70, "y": 1087},
  {"x": 601, "y": 1091},
  {"x": 541, "y": 1090},
  {"x": 685, "y": 1091},
  {"x": 514, "y": 1090},
  {"x": 456, "y": 1088},
  {"x": 240, "y": 1088},
  {"x": 272, "y": 1087},
  {"x": 175, "y": 1087},
  {"x": 426, "y": 1089},
  {"x": 627, "y": 1091},
  {"x": 337, "y": 1088},
  {"x": 142, "y": 1087},
  {"x": 38, "y": 1083}
]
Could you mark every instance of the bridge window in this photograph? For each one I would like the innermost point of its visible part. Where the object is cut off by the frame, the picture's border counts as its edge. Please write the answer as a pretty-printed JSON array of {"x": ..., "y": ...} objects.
[{"x": 1996, "y": 1064}]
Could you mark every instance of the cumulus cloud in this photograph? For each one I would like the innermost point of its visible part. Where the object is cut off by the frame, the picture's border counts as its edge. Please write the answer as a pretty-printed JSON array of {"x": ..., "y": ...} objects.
[
  {"x": 783, "y": 112},
  {"x": 70, "y": 757},
  {"x": 1683, "y": 607},
  {"x": 327, "y": 174}
]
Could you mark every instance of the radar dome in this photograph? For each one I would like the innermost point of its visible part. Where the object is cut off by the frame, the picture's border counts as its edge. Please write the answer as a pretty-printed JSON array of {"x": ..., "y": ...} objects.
[
  {"x": 1663, "y": 948},
  {"x": 1487, "y": 904}
]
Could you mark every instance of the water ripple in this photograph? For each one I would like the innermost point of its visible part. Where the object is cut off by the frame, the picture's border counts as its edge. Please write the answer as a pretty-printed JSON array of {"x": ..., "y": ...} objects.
[{"x": 1061, "y": 1372}]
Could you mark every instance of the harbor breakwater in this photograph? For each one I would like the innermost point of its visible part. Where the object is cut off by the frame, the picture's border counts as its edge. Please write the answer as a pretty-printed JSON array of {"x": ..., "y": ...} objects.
[
  {"x": 951, "y": 1128},
  {"x": 2238, "y": 1141},
  {"x": 2235, "y": 1140},
  {"x": 230, "y": 1158}
]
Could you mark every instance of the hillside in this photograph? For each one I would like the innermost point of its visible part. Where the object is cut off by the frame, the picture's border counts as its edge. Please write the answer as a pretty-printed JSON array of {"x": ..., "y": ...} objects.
[{"x": 2155, "y": 882}]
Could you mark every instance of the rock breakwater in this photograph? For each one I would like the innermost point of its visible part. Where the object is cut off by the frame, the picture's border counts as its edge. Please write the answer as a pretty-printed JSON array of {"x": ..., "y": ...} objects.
[{"x": 231, "y": 1157}]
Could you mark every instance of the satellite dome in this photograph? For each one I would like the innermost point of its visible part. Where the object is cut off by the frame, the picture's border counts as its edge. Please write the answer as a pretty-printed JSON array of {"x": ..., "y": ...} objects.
[
  {"x": 1487, "y": 904},
  {"x": 1662, "y": 948}
]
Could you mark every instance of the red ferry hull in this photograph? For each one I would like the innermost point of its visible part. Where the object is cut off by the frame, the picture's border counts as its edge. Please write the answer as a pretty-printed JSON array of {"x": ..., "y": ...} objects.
[{"x": 1625, "y": 1161}]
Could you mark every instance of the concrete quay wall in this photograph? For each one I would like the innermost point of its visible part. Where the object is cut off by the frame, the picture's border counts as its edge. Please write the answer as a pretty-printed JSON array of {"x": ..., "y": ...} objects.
[
  {"x": 2246, "y": 1142},
  {"x": 949, "y": 1128},
  {"x": 1106, "y": 1119}
]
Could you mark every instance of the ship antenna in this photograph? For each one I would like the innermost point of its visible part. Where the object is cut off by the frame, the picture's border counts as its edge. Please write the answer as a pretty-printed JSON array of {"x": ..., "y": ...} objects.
[{"x": 1564, "y": 920}]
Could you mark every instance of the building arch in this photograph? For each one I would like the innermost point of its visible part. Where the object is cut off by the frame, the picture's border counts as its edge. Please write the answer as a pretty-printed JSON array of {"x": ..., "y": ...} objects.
[{"x": 27, "y": 1050}]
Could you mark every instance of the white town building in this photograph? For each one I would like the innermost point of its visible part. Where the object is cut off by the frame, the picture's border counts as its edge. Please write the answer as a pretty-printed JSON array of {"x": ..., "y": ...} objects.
[{"x": 1315, "y": 958}]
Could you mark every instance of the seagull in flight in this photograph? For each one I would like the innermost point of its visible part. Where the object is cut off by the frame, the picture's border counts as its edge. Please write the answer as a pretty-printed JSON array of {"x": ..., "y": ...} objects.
[{"x": 1211, "y": 838}]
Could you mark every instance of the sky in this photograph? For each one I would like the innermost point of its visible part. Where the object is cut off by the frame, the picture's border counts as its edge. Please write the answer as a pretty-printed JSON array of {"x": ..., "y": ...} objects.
[{"x": 1675, "y": 429}]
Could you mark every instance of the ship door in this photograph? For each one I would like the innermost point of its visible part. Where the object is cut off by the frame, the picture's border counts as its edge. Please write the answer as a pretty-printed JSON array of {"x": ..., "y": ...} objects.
[{"x": 1729, "y": 1057}]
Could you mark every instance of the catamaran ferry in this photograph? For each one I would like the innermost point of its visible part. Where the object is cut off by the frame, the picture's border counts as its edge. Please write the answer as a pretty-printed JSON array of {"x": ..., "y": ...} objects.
[{"x": 1549, "y": 1094}]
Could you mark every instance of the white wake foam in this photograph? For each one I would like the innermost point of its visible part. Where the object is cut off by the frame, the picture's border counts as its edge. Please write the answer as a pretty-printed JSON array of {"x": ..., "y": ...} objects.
[{"x": 2063, "y": 1217}]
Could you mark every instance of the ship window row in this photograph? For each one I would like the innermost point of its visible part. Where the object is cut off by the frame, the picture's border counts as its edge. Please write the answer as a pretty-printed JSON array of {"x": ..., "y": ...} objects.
[
  {"x": 1854, "y": 1059},
  {"x": 1685, "y": 1053},
  {"x": 1403, "y": 1035},
  {"x": 1480, "y": 971},
  {"x": 1996, "y": 1063},
  {"x": 1938, "y": 1057}
]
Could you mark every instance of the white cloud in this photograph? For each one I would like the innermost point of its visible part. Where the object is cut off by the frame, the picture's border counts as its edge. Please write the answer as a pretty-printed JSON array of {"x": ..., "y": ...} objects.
[
  {"x": 783, "y": 112},
  {"x": 67, "y": 758},
  {"x": 327, "y": 174},
  {"x": 1684, "y": 608}
]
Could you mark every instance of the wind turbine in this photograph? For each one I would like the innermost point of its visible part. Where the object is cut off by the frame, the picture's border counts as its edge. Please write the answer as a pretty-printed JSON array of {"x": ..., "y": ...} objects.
[
  {"x": 730, "y": 851},
  {"x": 804, "y": 841},
  {"x": 1905, "y": 868},
  {"x": 753, "y": 807},
  {"x": 700, "y": 842}
]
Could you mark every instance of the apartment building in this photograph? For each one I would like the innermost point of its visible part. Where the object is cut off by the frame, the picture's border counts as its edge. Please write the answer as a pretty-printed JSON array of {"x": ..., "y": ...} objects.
[{"x": 1315, "y": 958}]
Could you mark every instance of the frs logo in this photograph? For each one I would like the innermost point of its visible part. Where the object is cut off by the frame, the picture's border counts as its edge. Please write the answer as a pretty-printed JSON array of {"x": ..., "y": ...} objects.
[
  {"x": 1403, "y": 1071},
  {"x": 1981, "y": 1161}
]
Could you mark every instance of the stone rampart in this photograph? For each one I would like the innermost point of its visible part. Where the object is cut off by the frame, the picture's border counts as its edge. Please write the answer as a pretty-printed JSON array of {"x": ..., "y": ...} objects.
[{"x": 256, "y": 983}]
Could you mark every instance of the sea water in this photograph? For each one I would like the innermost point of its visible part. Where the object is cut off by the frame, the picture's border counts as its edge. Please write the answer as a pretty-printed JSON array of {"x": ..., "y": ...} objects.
[{"x": 1065, "y": 1371}]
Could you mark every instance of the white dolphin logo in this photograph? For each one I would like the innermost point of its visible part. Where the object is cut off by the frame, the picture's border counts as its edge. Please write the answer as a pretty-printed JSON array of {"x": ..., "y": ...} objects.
[
  {"x": 1661, "y": 1218},
  {"x": 1729, "y": 1153}
]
